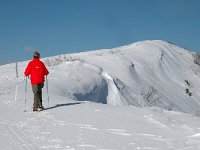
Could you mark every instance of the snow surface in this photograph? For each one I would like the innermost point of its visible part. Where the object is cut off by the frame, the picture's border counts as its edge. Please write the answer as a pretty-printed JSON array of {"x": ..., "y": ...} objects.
[{"x": 143, "y": 84}]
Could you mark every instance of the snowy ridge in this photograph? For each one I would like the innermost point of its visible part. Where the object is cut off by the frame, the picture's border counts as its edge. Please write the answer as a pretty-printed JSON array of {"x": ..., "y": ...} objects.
[
  {"x": 147, "y": 73},
  {"x": 144, "y": 85}
]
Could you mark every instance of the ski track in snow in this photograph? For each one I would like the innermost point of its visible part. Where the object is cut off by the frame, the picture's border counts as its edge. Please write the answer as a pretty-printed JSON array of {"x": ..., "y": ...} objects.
[
  {"x": 41, "y": 131},
  {"x": 16, "y": 136},
  {"x": 82, "y": 133}
]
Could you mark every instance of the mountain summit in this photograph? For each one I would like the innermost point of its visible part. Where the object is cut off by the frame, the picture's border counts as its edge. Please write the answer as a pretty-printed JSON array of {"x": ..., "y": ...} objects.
[{"x": 147, "y": 73}]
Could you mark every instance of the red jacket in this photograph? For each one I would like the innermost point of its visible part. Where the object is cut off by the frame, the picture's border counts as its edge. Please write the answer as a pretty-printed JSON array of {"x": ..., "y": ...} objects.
[{"x": 37, "y": 70}]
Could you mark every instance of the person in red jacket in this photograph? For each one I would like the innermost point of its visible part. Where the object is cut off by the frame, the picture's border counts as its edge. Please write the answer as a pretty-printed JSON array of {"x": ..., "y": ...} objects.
[{"x": 37, "y": 70}]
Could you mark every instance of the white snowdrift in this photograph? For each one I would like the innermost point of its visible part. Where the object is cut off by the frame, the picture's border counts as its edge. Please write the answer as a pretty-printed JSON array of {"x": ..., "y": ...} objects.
[
  {"x": 151, "y": 75},
  {"x": 147, "y": 73}
]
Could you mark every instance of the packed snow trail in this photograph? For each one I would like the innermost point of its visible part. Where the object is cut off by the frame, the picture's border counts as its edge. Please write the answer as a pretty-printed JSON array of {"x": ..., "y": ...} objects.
[{"x": 88, "y": 125}]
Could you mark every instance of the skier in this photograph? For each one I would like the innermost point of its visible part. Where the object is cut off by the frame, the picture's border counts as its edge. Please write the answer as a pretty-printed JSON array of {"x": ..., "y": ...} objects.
[{"x": 37, "y": 70}]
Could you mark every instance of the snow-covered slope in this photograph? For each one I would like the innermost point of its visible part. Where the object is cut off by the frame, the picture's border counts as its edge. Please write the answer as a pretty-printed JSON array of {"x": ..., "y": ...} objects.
[
  {"x": 144, "y": 84},
  {"x": 147, "y": 73}
]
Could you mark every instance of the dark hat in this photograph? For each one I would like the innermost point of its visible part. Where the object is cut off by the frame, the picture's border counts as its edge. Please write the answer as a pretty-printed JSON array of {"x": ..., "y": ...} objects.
[{"x": 36, "y": 54}]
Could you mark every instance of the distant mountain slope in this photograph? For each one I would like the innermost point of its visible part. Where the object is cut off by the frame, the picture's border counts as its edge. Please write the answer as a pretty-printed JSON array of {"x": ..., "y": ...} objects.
[
  {"x": 144, "y": 74},
  {"x": 147, "y": 73}
]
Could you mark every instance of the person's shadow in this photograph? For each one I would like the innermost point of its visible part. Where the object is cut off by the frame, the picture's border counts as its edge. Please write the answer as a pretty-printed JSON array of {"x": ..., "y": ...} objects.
[{"x": 62, "y": 105}]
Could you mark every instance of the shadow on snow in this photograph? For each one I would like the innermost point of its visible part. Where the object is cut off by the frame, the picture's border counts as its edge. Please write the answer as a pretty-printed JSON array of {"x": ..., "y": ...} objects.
[{"x": 62, "y": 105}]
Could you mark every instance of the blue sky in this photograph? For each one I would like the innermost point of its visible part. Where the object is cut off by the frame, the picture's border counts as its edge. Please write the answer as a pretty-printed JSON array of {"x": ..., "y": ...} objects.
[{"x": 66, "y": 26}]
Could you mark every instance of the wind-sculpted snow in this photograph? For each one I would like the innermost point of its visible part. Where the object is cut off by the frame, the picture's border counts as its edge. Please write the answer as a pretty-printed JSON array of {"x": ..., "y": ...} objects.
[
  {"x": 147, "y": 73},
  {"x": 159, "y": 78},
  {"x": 96, "y": 92}
]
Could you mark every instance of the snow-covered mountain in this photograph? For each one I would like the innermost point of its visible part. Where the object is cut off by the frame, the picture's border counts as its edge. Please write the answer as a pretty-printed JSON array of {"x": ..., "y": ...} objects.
[
  {"x": 147, "y": 73},
  {"x": 157, "y": 80}
]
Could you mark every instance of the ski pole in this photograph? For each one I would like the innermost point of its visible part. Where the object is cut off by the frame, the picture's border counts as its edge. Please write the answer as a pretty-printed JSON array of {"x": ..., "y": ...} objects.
[
  {"x": 25, "y": 92},
  {"x": 47, "y": 90}
]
